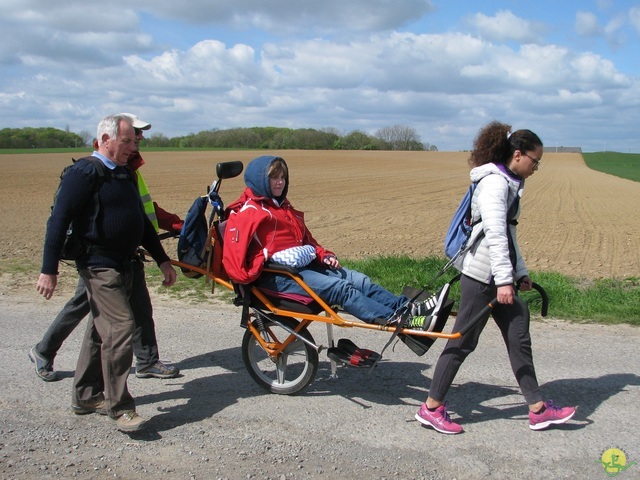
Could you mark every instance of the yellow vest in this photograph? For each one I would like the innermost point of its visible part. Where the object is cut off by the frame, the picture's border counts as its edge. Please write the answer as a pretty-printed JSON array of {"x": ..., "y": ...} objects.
[{"x": 149, "y": 209}]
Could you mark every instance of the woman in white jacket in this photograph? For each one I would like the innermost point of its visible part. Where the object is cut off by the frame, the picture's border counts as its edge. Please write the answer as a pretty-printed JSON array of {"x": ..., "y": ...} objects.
[{"x": 501, "y": 162}]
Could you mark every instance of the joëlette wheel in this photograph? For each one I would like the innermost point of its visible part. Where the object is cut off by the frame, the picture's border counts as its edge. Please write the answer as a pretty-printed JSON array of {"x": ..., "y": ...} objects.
[{"x": 292, "y": 370}]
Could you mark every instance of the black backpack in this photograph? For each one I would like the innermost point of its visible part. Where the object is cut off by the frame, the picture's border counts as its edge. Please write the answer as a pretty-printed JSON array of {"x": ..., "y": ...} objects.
[{"x": 73, "y": 246}]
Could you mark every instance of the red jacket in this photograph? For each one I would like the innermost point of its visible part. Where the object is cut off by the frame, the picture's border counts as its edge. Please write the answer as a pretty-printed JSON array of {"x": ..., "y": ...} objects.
[{"x": 256, "y": 229}]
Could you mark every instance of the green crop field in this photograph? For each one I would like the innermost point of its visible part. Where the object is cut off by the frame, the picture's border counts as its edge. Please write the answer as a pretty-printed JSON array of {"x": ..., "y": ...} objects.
[{"x": 623, "y": 165}]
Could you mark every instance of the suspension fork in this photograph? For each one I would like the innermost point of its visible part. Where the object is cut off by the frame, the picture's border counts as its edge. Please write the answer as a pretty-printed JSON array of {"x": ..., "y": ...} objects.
[{"x": 258, "y": 329}]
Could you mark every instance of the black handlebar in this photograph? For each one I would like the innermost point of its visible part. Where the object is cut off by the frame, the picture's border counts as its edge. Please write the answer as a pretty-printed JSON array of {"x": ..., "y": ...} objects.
[{"x": 544, "y": 297}]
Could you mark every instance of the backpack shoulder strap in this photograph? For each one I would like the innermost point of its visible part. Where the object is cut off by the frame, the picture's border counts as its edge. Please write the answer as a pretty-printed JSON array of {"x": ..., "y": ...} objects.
[
  {"x": 101, "y": 168},
  {"x": 101, "y": 173}
]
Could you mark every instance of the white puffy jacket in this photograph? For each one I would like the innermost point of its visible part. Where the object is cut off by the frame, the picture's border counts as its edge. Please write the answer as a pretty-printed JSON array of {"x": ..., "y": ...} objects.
[{"x": 489, "y": 257}]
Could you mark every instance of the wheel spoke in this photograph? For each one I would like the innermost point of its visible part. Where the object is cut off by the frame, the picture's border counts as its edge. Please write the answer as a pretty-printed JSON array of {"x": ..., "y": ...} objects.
[{"x": 281, "y": 368}]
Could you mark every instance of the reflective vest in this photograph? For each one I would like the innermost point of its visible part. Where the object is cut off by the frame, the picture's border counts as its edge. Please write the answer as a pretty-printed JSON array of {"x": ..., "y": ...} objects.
[{"x": 147, "y": 201}]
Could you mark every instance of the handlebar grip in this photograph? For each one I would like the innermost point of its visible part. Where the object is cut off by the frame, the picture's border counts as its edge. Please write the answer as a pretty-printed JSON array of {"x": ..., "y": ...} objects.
[
  {"x": 165, "y": 235},
  {"x": 544, "y": 297}
]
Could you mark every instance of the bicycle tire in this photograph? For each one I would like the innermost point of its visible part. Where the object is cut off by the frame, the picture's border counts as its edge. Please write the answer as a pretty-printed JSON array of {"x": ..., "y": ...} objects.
[{"x": 292, "y": 370}]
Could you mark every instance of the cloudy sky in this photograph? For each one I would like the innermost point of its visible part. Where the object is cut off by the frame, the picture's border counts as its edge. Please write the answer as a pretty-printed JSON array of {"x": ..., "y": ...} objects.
[{"x": 569, "y": 69}]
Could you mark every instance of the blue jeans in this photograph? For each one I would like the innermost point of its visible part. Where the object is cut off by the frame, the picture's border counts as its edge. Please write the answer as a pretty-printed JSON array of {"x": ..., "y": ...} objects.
[{"x": 353, "y": 291}]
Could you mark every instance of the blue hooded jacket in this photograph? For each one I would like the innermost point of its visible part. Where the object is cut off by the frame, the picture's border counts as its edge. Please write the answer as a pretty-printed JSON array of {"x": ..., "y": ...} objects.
[{"x": 256, "y": 177}]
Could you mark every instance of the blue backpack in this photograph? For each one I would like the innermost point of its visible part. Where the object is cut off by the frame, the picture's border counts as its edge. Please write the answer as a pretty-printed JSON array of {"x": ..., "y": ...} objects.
[
  {"x": 193, "y": 244},
  {"x": 457, "y": 237},
  {"x": 455, "y": 241}
]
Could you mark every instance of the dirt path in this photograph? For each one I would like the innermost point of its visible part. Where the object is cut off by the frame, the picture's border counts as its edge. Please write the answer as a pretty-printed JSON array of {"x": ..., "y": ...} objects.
[{"x": 213, "y": 422}]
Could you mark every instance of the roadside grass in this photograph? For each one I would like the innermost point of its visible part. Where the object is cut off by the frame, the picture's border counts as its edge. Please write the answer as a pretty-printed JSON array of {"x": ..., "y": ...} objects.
[
  {"x": 41, "y": 151},
  {"x": 606, "y": 301},
  {"x": 192, "y": 290},
  {"x": 623, "y": 165}
]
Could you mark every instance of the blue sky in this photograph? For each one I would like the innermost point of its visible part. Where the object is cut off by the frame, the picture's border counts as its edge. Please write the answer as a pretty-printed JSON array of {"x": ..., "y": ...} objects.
[{"x": 568, "y": 70}]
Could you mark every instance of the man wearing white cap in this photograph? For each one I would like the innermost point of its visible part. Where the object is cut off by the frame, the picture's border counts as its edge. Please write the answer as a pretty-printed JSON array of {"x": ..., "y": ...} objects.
[{"x": 145, "y": 345}]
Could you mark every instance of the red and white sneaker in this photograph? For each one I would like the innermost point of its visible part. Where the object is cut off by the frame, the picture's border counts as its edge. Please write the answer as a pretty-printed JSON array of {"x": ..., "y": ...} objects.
[
  {"x": 438, "y": 419},
  {"x": 552, "y": 415}
]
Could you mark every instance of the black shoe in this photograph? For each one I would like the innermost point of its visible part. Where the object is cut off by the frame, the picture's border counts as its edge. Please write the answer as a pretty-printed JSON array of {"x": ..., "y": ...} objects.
[{"x": 44, "y": 368}]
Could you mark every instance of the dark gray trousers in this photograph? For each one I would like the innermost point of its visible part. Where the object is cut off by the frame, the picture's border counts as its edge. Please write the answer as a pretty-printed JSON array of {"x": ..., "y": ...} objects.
[{"x": 513, "y": 322}]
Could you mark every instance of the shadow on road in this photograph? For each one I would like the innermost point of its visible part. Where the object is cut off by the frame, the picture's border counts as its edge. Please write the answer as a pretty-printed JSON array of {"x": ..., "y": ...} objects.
[
  {"x": 390, "y": 383},
  {"x": 468, "y": 400}
]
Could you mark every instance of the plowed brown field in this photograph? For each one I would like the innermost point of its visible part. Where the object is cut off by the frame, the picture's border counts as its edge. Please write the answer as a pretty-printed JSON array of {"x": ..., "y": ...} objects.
[{"x": 575, "y": 221}]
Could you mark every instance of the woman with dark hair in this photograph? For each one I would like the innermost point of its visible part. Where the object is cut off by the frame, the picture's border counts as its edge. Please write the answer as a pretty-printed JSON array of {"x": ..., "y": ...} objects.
[{"x": 500, "y": 161}]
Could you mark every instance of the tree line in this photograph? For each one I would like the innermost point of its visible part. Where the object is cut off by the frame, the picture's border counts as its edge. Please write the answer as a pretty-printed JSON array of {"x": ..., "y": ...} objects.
[
  {"x": 46, "y": 137},
  {"x": 397, "y": 137}
]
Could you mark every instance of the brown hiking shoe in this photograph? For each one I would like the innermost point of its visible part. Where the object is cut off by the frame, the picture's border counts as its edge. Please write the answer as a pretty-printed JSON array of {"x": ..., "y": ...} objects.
[{"x": 129, "y": 422}]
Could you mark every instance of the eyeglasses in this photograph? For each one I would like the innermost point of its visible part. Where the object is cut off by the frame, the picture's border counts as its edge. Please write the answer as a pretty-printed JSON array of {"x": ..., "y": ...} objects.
[
  {"x": 138, "y": 132},
  {"x": 536, "y": 161}
]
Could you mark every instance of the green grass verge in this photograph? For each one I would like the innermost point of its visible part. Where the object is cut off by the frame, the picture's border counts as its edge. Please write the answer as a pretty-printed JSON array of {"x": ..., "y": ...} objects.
[
  {"x": 605, "y": 301},
  {"x": 39, "y": 151},
  {"x": 192, "y": 290}
]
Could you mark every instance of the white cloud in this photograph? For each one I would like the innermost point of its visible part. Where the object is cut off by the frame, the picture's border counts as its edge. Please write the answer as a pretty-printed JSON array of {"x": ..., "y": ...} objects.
[
  {"x": 72, "y": 64},
  {"x": 208, "y": 64},
  {"x": 615, "y": 30},
  {"x": 634, "y": 18},
  {"x": 587, "y": 24},
  {"x": 284, "y": 17},
  {"x": 504, "y": 26},
  {"x": 68, "y": 35}
]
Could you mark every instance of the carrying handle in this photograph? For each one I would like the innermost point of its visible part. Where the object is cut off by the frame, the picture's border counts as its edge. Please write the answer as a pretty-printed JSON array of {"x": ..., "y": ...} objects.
[{"x": 545, "y": 298}]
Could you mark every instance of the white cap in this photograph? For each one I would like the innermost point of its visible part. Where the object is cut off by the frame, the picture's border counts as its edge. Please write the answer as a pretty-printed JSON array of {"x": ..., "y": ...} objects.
[{"x": 137, "y": 122}]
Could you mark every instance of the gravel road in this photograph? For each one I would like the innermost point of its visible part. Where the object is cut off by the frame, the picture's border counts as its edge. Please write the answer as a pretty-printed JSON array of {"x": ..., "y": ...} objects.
[{"x": 214, "y": 422}]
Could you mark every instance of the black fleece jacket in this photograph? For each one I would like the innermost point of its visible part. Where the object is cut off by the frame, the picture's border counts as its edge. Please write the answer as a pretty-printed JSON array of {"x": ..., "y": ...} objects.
[{"x": 120, "y": 227}]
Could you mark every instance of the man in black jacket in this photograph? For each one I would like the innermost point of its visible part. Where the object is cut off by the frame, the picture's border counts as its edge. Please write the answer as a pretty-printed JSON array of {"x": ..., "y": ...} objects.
[
  {"x": 113, "y": 240},
  {"x": 145, "y": 343}
]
